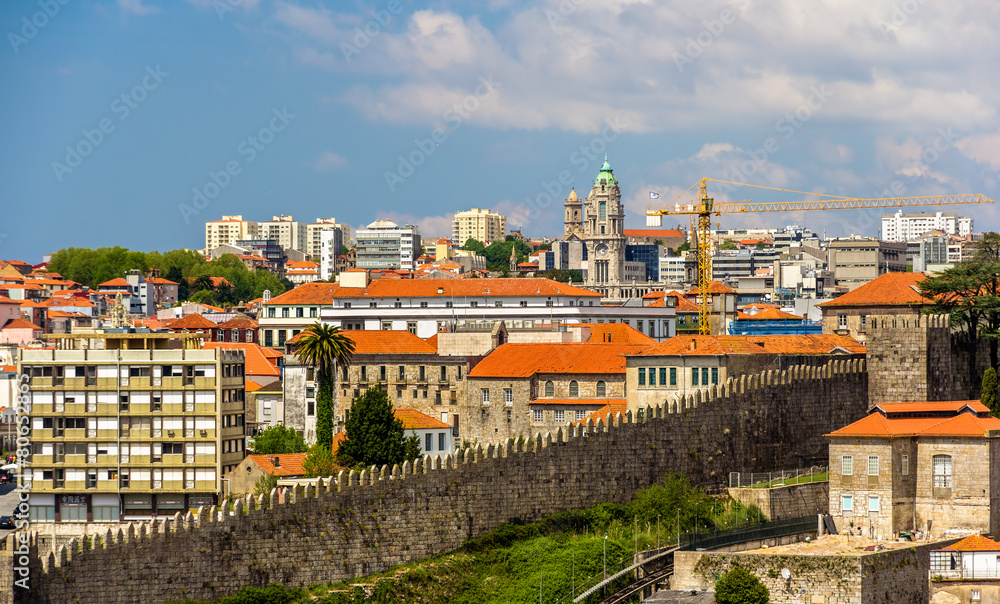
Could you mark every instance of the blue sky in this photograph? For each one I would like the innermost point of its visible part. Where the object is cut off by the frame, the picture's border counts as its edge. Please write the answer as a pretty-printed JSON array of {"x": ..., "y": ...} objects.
[{"x": 274, "y": 107}]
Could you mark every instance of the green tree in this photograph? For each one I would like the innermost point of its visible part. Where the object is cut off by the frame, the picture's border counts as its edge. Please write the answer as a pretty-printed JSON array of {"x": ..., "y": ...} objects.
[
  {"x": 474, "y": 245},
  {"x": 684, "y": 247},
  {"x": 739, "y": 586},
  {"x": 264, "y": 485},
  {"x": 203, "y": 283},
  {"x": 498, "y": 253},
  {"x": 374, "y": 435},
  {"x": 324, "y": 347},
  {"x": 989, "y": 396},
  {"x": 320, "y": 461},
  {"x": 761, "y": 245},
  {"x": 278, "y": 439},
  {"x": 728, "y": 244},
  {"x": 204, "y": 296}
]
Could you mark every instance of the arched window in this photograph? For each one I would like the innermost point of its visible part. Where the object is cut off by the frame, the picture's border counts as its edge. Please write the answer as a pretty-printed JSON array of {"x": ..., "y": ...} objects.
[
  {"x": 601, "y": 389},
  {"x": 941, "y": 465},
  {"x": 550, "y": 388},
  {"x": 574, "y": 388},
  {"x": 602, "y": 211}
]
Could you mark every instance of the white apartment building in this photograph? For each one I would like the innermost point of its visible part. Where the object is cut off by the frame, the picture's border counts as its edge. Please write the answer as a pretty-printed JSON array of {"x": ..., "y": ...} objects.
[
  {"x": 314, "y": 235},
  {"x": 287, "y": 232},
  {"x": 331, "y": 242},
  {"x": 901, "y": 227},
  {"x": 228, "y": 231},
  {"x": 673, "y": 269},
  {"x": 482, "y": 225},
  {"x": 384, "y": 244},
  {"x": 428, "y": 306}
]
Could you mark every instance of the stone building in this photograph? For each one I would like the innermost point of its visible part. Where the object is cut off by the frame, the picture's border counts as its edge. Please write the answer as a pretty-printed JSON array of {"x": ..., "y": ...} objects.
[
  {"x": 685, "y": 364},
  {"x": 927, "y": 466},
  {"x": 522, "y": 389},
  {"x": 721, "y": 305},
  {"x": 967, "y": 571},
  {"x": 891, "y": 294}
]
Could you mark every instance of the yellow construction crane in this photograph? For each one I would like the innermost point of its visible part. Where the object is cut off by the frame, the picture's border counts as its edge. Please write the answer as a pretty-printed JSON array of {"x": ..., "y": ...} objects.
[{"x": 706, "y": 206}]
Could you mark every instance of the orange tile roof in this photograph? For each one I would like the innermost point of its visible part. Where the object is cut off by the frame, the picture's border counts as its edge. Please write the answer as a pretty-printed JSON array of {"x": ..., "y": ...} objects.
[
  {"x": 715, "y": 287},
  {"x": 119, "y": 282},
  {"x": 304, "y": 264},
  {"x": 973, "y": 543},
  {"x": 428, "y": 288},
  {"x": 6, "y": 300},
  {"x": 614, "y": 407},
  {"x": 388, "y": 342},
  {"x": 619, "y": 333},
  {"x": 890, "y": 289},
  {"x": 933, "y": 407},
  {"x": 160, "y": 281},
  {"x": 433, "y": 341},
  {"x": 589, "y": 402},
  {"x": 62, "y": 314},
  {"x": 238, "y": 322},
  {"x": 964, "y": 423},
  {"x": 415, "y": 420},
  {"x": 193, "y": 321},
  {"x": 21, "y": 324},
  {"x": 71, "y": 301},
  {"x": 691, "y": 345},
  {"x": 768, "y": 314},
  {"x": 681, "y": 304},
  {"x": 653, "y": 233},
  {"x": 258, "y": 362},
  {"x": 525, "y": 360},
  {"x": 307, "y": 293},
  {"x": 252, "y": 387},
  {"x": 289, "y": 464}
]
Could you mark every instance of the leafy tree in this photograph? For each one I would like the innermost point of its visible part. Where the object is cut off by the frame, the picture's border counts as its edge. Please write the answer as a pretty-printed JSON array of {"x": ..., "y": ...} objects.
[
  {"x": 320, "y": 461},
  {"x": 728, "y": 244},
  {"x": 498, "y": 253},
  {"x": 344, "y": 251},
  {"x": 323, "y": 347},
  {"x": 264, "y": 485},
  {"x": 761, "y": 245},
  {"x": 989, "y": 396},
  {"x": 684, "y": 247},
  {"x": 374, "y": 435},
  {"x": 203, "y": 297},
  {"x": 739, "y": 586},
  {"x": 474, "y": 245},
  {"x": 278, "y": 439}
]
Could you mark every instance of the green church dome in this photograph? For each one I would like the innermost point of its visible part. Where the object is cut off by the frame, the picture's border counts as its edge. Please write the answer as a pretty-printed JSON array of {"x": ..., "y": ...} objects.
[{"x": 606, "y": 173}]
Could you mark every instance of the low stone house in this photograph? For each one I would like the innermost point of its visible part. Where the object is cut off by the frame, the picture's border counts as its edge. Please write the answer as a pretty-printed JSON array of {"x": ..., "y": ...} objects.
[
  {"x": 928, "y": 466},
  {"x": 891, "y": 294}
]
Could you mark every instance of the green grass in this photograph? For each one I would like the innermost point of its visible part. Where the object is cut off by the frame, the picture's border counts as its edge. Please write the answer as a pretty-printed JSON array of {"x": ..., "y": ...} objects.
[{"x": 779, "y": 482}]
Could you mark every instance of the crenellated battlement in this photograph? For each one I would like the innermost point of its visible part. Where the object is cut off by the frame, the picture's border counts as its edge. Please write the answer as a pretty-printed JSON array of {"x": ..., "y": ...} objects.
[
  {"x": 357, "y": 523},
  {"x": 909, "y": 358}
]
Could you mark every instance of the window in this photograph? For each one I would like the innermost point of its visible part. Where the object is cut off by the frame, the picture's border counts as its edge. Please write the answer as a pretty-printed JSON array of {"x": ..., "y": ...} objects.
[
  {"x": 560, "y": 415},
  {"x": 386, "y": 325},
  {"x": 550, "y": 388},
  {"x": 602, "y": 389},
  {"x": 638, "y": 325},
  {"x": 459, "y": 372},
  {"x": 864, "y": 323},
  {"x": 474, "y": 303},
  {"x": 411, "y": 326},
  {"x": 873, "y": 503},
  {"x": 444, "y": 373},
  {"x": 715, "y": 375},
  {"x": 485, "y": 393},
  {"x": 299, "y": 312},
  {"x": 448, "y": 304},
  {"x": 508, "y": 396},
  {"x": 580, "y": 414},
  {"x": 428, "y": 442},
  {"x": 423, "y": 305},
  {"x": 873, "y": 465},
  {"x": 847, "y": 465},
  {"x": 642, "y": 376},
  {"x": 364, "y": 373},
  {"x": 704, "y": 376},
  {"x": 270, "y": 312},
  {"x": 841, "y": 321},
  {"x": 422, "y": 373},
  {"x": 847, "y": 503},
  {"x": 904, "y": 465},
  {"x": 524, "y": 303},
  {"x": 652, "y": 376},
  {"x": 312, "y": 310},
  {"x": 942, "y": 471},
  {"x": 673, "y": 376},
  {"x": 401, "y": 372},
  {"x": 381, "y": 373},
  {"x": 574, "y": 388},
  {"x": 284, "y": 312},
  {"x": 602, "y": 211},
  {"x": 441, "y": 439},
  {"x": 694, "y": 376},
  {"x": 498, "y": 303},
  {"x": 397, "y": 304},
  {"x": 976, "y": 595},
  {"x": 538, "y": 415}
]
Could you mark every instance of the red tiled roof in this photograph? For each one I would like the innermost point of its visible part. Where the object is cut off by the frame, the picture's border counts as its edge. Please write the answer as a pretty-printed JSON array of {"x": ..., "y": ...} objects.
[
  {"x": 160, "y": 281},
  {"x": 21, "y": 324},
  {"x": 890, "y": 289},
  {"x": 963, "y": 423},
  {"x": 973, "y": 543},
  {"x": 617, "y": 333},
  {"x": 388, "y": 342},
  {"x": 71, "y": 301},
  {"x": 289, "y": 464},
  {"x": 252, "y": 387},
  {"x": 433, "y": 341},
  {"x": 258, "y": 359},
  {"x": 62, "y": 314},
  {"x": 427, "y": 288},
  {"x": 119, "y": 282},
  {"x": 304, "y": 264},
  {"x": 689, "y": 345},
  {"x": 588, "y": 402},
  {"x": 614, "y": 407},
  {"x": 681, "y": 304},
  {"x": 654, "y": 233},
  {"x": 415, "y": 420},
  {"x": 238, "y": 322},
  {"x": 715, "y": 287},
  {"x": 307, "y": 293},
  {"x": 525, "y": 360},
  {"x": 192, "y": 321},
  {"x": 6, "y": 300},
  {"x": 768, "y": 314},
  {"x": 933, "y": 407}
]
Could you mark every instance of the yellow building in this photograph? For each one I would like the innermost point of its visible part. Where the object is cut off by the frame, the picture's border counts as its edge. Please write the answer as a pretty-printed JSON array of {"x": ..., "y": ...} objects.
[
  {"x": 131, "y": 425},
  {"x": 482, "y": 225},
  {"x": 228, "y": 231}
]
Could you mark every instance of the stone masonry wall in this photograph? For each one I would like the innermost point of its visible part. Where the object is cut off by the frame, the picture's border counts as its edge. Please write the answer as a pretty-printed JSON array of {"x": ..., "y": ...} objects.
[
  {"x": 909, "y": 358},
  {"x": 781, "y": 503},
  {"x": 361, "y": 524}
]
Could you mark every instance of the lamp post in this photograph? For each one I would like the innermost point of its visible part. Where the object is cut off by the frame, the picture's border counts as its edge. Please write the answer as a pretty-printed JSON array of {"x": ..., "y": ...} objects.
[
  {"x": 605, "y": 556},
  {"x": 657, "y": 531}
]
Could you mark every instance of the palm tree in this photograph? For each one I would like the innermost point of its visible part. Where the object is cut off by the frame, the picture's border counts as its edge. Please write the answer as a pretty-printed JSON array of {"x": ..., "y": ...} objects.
[
  {"x": 203, "y": 282},
  {"x": 323, "y": 347}
]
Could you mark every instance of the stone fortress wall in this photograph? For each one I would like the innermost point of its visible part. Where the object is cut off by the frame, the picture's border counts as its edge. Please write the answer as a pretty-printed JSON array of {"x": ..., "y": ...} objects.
[{"x": 357, "y": 524}]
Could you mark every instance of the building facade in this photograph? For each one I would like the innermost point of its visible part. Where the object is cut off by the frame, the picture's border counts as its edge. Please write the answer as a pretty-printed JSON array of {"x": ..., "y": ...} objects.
[
  {"x": 314, "y": 235},
  {"x": 229, "y": 230},
  {"x": 331, "y": 246},
  {"x": 892, "y": 294},
  {"x": 482, "y": 225},
  {"x": 858, "y": 260},
  {"x": 386, "y": 245},
  {"x": 289, "y": 234},
  {"x": 900, "y": 227},
  {"x": 137, "y": 429}
]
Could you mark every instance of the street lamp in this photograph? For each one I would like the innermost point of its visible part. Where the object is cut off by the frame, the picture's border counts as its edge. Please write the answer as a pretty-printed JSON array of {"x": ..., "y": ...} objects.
[{"x": 605, "y": 556}]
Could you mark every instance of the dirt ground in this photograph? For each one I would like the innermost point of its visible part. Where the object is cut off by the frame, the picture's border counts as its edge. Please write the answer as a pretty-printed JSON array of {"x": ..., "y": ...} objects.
[{"x": 828, "y": 545}]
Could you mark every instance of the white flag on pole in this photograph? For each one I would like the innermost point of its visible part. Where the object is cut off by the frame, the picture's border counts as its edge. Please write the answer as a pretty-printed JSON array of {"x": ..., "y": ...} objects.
[{"x": 653, "y": 195}]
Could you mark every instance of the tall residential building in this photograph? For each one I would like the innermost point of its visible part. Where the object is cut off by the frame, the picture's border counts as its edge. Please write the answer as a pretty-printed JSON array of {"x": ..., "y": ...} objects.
[
  {"x": 287, "y": 232},
  {"x": 229, "y": 230},
  {"x": 314, "y": 234},
  {"x": 331, "y": 242},
  {"x": 909, "y": 227},
  {"x": 131, "y": 425},
  {"x": 482, "y": 225},
  {"x": 384, "y": 244}
]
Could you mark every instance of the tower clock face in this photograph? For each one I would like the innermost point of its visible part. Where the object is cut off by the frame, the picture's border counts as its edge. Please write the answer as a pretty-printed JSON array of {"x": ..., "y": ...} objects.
[{"x": 602, "y": 250}]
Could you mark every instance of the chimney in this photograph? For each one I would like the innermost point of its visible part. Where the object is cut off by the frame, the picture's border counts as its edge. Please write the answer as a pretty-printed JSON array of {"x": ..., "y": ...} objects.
[
  {"x": 694, "y": 343},
  {"x": 277, "y": 461}
]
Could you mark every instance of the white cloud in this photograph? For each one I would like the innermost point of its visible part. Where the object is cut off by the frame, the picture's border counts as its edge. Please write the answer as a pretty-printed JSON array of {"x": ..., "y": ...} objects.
[
  {"x": 328, "y": 160},
  {"x": 984, "y": 148},
  {"x": 136, "y": 7}
]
